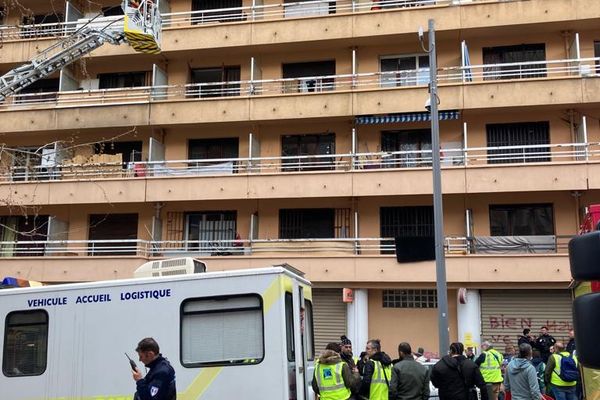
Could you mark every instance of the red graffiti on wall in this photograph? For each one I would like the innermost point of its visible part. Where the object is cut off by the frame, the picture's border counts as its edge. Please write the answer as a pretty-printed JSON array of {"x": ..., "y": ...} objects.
[{"x": 501, "y": 322}]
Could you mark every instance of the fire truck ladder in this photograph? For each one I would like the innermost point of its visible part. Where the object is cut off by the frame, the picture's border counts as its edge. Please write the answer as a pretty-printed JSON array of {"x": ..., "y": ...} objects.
[{"x": 141, "y": 28}]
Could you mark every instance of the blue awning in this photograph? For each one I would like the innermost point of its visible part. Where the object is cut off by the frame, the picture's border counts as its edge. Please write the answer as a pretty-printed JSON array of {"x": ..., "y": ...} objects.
[{"x": 404, "y": 117}]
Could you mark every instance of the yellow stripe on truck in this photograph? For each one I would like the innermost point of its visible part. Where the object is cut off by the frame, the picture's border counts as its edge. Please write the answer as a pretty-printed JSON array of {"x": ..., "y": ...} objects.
[{"x": 208, "y": 375}]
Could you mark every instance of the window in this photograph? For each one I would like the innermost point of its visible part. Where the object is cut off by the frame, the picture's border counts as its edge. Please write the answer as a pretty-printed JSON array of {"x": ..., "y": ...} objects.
[
  {"x": 112, "y": 11},
  {"x": 111, "y": 231},
  {"x": 222, "y": 331},
  {"x": 404, "y": 222},
  {"x": 521, "y": 220},
  {"x": 306, "y": 223},
  {"x": 42, "y": 25},
  {"x": 44, "y": 90},
  {"x": 207, "y": 149},
  {"x": 2, "y": 15},
  {"x": 30, "y": 232},
  {"x": 130, "y": 151},
  {"x": 410, "y": 298},
  {"x": 26, "y": 164},
  {"x": 514, "y": 54},
  {"x": 518, "y": 134},
  {"x": 216, "y": 75},
  {"x": 415, "y": 142},
  {"x": 213, "y": 11},
  {"x": 308, "y": 145},
  {"x": 307, "y": 315},
  {"x": 122, "y": 80},
  {"x": 307, "y": 8},
  {"x": 404, "y": 70},
  {"x": 308, "y": 76},
  {"x": 211, "y": 232},
  {"x": 25, "y": 343}
]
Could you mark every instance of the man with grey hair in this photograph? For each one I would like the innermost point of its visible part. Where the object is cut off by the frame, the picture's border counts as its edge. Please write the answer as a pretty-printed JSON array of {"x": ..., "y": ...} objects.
[
  {"x": 521, "y": 378},
  {"x": 490, "y": 363}
]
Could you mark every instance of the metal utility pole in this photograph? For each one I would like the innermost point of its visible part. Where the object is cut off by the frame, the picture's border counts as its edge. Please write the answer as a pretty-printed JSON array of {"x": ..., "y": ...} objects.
[{"x": 438, "y": 213}]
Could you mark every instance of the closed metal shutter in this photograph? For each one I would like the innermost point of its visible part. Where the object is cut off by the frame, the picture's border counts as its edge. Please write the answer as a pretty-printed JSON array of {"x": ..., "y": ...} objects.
[
  {"x": 505, "y": 313},
  {"x": 329, "y": 317}
]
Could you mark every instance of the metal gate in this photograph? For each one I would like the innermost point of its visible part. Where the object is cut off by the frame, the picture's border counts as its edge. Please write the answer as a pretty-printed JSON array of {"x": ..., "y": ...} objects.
[
  {"x": 329, "y": 317},
  {"x": 505, "y": 313}
]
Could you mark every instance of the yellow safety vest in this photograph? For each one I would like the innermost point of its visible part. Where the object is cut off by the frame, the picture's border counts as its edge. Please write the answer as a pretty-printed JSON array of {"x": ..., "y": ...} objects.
[
  {"x": 490, "y": 368},
  {"x": 380, "y": 382},
  {"x": 330, "y": 382},
  {"x": 555, "y": 379}
]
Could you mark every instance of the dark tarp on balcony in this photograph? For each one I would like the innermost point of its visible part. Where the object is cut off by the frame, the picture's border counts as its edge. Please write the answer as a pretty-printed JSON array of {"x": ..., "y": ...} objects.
[{"x": 515, "y": 244}]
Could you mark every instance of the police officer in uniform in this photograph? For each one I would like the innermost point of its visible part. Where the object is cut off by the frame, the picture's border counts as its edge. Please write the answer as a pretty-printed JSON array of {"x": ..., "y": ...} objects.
[
  {"x": 159, "y": 382},
  {"x": 490, "y": 363}
]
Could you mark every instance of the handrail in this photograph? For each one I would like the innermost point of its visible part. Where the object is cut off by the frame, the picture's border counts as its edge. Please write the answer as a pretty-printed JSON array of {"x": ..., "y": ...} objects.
[
  {"x": 313, "y": 8},
  {"x": 368, "y": 246},
  {"x": 358, "y": 162},
  {"x": 308, "y": 85}
]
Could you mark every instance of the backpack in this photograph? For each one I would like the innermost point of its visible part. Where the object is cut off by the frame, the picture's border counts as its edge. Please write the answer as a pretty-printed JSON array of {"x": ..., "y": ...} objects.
[{"x": 568, "y": 369}]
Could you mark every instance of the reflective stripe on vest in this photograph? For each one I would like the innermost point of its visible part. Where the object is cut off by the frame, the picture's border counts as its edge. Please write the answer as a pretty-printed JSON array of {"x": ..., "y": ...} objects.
[
  {"x": 330, "y": 382},
  {"x": 379, "y": 382},
  {"x": 555, "y": 379},
  {"x": 490, "y": 368}
]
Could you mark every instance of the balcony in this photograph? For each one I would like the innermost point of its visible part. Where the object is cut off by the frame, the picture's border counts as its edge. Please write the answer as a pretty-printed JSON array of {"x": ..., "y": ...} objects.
[
  {"x": 304, "y": 21},
  {"x": 465, "y": 170},
  {"x": 553, "y": 82},
  {"x": 518, "y": 260}
]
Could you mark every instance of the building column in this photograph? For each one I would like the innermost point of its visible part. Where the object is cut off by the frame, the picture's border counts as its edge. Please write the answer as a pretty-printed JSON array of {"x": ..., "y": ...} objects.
[
  {"x": 469, "y": 317},
  {"x": 358, "y": 320}
]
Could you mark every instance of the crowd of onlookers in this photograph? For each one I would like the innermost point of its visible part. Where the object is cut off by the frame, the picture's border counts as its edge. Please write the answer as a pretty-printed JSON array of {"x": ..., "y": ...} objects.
[{"x": 538, "y": 369}]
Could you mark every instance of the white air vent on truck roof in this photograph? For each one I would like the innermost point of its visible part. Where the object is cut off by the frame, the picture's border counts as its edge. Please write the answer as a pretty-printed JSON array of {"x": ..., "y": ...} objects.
[{"x": 170, "y": 267}]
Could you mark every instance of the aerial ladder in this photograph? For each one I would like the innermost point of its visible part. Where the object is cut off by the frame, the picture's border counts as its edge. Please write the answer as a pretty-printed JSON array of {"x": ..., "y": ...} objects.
[{"x": 140, "y": 26}]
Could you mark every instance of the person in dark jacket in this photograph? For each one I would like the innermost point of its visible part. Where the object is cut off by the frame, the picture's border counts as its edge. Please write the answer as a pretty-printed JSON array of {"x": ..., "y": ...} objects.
[
  {"x": 571, "y": 347},
  {"x": 374, "y": 353},
  {"x": 543, "y": 343},
  {"x": 410, "y": 380},
  {"x": 540, "y": 368},
  {"x": 456, "y": 376},
  {"x": 159, "y": 382},
  {"x": 526, "y": 338}
]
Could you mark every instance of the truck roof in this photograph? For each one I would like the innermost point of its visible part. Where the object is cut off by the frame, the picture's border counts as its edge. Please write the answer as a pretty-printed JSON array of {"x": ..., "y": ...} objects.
[{"x": 274, "y": 270}]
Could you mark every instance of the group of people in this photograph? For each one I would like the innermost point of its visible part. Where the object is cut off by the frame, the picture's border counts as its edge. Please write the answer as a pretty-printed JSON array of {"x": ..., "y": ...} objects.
[
  {"x": 526, "y": 375},
  {"x": 548, "y": 358},
  {"x": 339, "y": 375}
]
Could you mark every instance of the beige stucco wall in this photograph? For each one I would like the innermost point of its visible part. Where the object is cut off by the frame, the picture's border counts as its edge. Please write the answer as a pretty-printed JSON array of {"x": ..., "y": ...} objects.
[{"x": 415, "y": 326}]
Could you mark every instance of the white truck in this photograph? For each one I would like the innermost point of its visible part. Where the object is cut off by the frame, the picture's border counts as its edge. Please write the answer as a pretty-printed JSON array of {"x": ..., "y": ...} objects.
[{"x": 244, "y": 334}]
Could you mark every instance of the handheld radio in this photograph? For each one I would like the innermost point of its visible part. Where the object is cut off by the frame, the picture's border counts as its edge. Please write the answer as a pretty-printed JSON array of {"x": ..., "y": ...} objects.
[{"x": 131, "y": 362}]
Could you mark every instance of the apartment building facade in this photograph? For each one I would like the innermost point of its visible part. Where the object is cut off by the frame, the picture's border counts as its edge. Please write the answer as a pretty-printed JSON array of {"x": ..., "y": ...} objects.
[{"x": 295, "y": 132}]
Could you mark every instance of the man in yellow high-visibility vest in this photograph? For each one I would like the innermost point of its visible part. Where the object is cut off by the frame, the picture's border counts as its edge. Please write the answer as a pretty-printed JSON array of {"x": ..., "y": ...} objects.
[
  {"x": 490, "y": 363},
  {"x": 333, "y": 379},
  {"x": 377, "y": 372},
  {"x": 561, "y": 389}
]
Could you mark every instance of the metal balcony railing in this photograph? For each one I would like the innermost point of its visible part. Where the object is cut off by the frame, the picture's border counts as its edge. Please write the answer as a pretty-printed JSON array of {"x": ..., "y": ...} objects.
[
  {"x": 310, "y": 85},
  {"x": 326, "y": 163},
  {"x": 454, "y": 245},
  {"x": 246, "y": 14}
]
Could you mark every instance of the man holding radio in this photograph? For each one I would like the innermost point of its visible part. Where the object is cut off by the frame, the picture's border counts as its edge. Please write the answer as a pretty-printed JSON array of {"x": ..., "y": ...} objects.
[{"x": 159, "y": 382}]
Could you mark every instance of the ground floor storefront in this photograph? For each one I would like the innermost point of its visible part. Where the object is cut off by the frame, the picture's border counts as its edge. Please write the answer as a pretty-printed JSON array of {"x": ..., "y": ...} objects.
[{"x": 394, "y": 315}]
